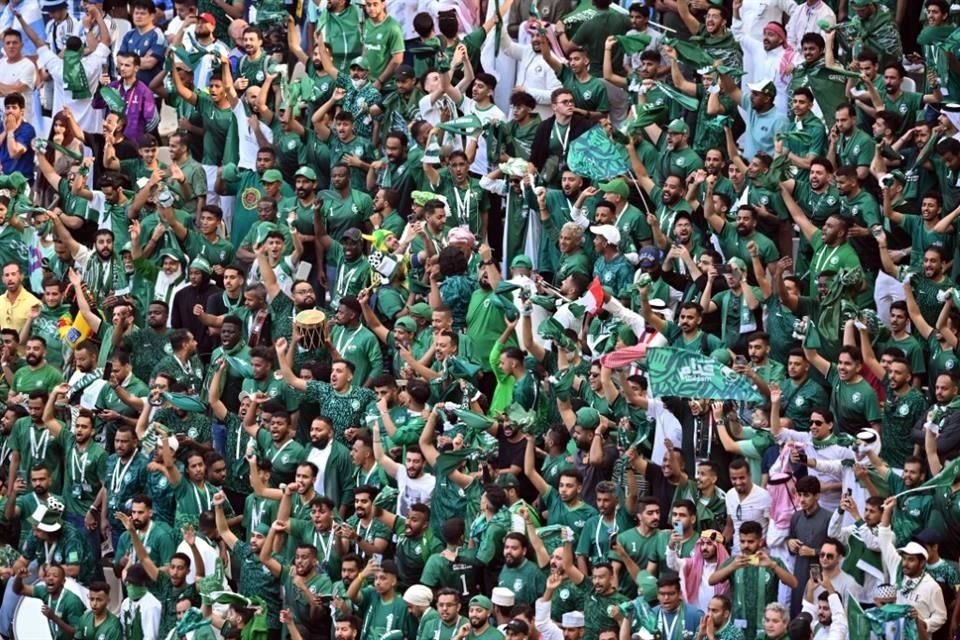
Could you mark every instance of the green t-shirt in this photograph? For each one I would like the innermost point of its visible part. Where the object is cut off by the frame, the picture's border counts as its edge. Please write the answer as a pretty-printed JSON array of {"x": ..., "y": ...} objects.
[
  {"x": 589, "y": 95},
  {"x": 216, "y": 124},
  {"x": 43, "y": 378},
  {"x": 842, "y": 256},
  {"x": 158, "y": 539},
  {"x": 854, "y": 404},
  {"x": 559, "y": 512},
  {"x": 284, "y": 457},
  {"x": 345, "y": 409},
  {"x": 68, "y": 606},
  {"x": 255, "y": 578},
  {"x": 83, "y": 475},
  {"x": 39, "y": 445},
  {"x": 704, "y": 343},
  {"x": 88, "y": 629},
  {"x": 380, "y": 617},
  {"x": 526, "y": 581},
  {"x": 460, "y": 574},
  {"x": 380, "y": 43}
]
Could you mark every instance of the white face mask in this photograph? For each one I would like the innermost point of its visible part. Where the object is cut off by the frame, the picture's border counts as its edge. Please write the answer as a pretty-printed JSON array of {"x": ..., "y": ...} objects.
[{"x": 358, "y": 82}]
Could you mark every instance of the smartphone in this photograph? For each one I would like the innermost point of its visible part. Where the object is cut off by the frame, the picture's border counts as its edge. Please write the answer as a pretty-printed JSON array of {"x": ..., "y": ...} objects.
[
  {"x": 740, "y": 360},
  {"x": 755, "y": 560},
  {"x": 724, "y": 269},
  {"x": 876, "y": 230},
  {"x": 108, "y": 370},
  {"x": 105, "y": 69},
  {"x": 678, "y": 528},
  {"x": 815, "y": 573},
  {"x": 849, "y": 493},
  {"x": 377, "y": 559}
]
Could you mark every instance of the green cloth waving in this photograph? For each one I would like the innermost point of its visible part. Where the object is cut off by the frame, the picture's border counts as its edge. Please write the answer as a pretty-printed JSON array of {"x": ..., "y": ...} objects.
[{"x": 74, "y": 78}]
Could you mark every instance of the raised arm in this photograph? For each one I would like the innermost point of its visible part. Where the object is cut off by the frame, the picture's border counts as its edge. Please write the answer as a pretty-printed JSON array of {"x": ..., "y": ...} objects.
[{"x": 530, "y": 467}]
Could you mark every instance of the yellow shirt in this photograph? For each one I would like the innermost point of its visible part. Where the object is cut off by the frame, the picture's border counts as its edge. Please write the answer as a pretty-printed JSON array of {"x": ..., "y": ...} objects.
[{"x": 13, "y": 315}]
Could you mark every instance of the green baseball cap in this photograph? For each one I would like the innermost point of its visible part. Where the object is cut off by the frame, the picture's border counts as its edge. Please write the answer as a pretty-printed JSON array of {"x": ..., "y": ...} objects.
[
  {"x": 406, "y": 323},
  {"x": 271, "y": 175},
  {"x": 361, "y": 62},
  {"x": 862, "y": 3},
  {"x": 521, "y": 262},
  {"x": 200, "y": 264},
  {"x": 481, "y": 601},
  {"x": 678, "y": 126},
  {"x": 617, "y": 186},
  {"x": 507, "y": 481},
  {"x": 421, "y": 310},
  {"x": 588, "y": 418},
  {"x": 307, "y": 172}
]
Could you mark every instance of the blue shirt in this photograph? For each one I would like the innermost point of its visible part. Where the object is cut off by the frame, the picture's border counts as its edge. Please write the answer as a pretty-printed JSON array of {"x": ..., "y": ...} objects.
[
  {"x": 24, "y": 164},
  {"x": 761, "y": 128},
  {"x": 152, "y": 43}
]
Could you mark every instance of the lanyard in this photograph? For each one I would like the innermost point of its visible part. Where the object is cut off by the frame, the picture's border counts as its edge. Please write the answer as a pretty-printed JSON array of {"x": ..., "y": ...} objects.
[
  {"x": 119, "y": 474},
  {"x": 79, "y": 464},
  {"x": 39, "y": 449},
  {"x": 239, "y": 439},
  {"x": 230, "y": 306},
  {"x": 561, "y": 139},
  {"x": 205, "y": 506},
  {"x": 184, "y": 366},
  {"x": 824, "y": 258},
  {"x": 277, "y": 453},
  {"x": 610, "y": 530},
  {"x": 668, "y": 629},
  {"x": 463, "y": 206},
  {"x": 55, "y": 605},
  {"x": 4, "y": 451},
  {"x": 344, "y": 278},
  {"x": 373, "y": 469},
  {"x": 325, "y": 548},
  {"x": 341, "y": 346},
  {"x": 48, "y": 550}
]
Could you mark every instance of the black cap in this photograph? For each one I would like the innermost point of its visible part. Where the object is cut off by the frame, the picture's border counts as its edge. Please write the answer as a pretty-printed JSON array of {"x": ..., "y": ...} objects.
[
  {"x": 518, "y": 625},
  {"x": 353, "y": 234},
  {"x": 927, "y": 537},
  {"x": 800, "y": 628},
  {"x": 404, "y": 72}
]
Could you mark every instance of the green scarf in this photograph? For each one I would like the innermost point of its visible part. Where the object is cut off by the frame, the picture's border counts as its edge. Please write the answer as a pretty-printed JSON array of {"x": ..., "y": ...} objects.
[
  {"x": 930, "y": 35},
  {"x": 880, "y": 616},
  {"x": 74, "y": 77}
]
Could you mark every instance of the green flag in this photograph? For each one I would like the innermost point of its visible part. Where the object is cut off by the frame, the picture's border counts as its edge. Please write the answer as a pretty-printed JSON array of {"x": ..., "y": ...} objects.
[
  {"x": 691, "y": 53},
  {"x": 634, "y": 43},
  {"x": 946, "y": 477},
  {"x": 676, "y": 372},
  {"x": 464, "y": 125},
  {"x": 594, "y": 155},
  {"x": 689, "y": 103},
  {"x": 115, "y": 102},
  {"x": 880, "y": 616}
]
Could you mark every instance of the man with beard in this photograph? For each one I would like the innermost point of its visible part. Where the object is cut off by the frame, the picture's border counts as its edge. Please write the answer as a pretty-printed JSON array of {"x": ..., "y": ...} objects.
[
  {"x": 299, "y": 493},
  {"x": 470, "y": 205},
  {"x": 35, "y": 441},
  {"x": 204, "y": 242},
  {"x": 901, "y": 338},
  {"x": 612, "y": 267},
  {"x": 125, "y": 478},
  {"x": 802, "y": 153},
  {"x": 829, "y": 241},
  {"x": 817, "y": 199},
  {"x": 182, "y": 365},
  {"x": 916, "y": 587},
  {"x": 695, "y": 571},
  {"x": 686, "y": 334},
  {"x": 44, "y": 321},
  {"x": 381, "y": 607},
  {"x": 275, "y": 441},
  {"x": 800, "y": 394},
  {"x": 169, "y": 584},
  {"x": 262, "y": 381},
  {"x": 303, "y": 587},
  {"x": 230, "y": 301},
  {"x": 564, "y": 504},
  {"x": 479, "y": 627},
  {"x": 736, "y": 238},
  {"x": 340, "y": 400},
  {"x": 156, "y": 537},
  {"x": 250, "y": 189},
  {"x": 669, "y": 198},
  {"x": 718, "y": 623},
  {"x": 16, "y": 302},
  {"x": 717, "y": 41},
  {"x": 853, "y": 401},
  {"x": 634, "y": 229},
  {"x": 363, "y": 533},
  {"x": 104, "y": 273},
  {"x": 738, "y": 305},
  {"x": 556, "y": 210},
  {"x": 520, "y": 575},
  {"x": 37, "y": 375},
  {"x": 302, "y": 205},
  {"x": 414, "y": 486},
  {"x": 317, "y": 530},
  {"x": 147, "y": 345},
  {"x": 332, "y": 459},
  {"x": 400, "y": 169},
  {"x": 925, "y": 288},
  {"x": 850, "y": 146},
  {"x": 347, "y": 267},
  {"x": 589, "y": 91},
  {"x": 22, "y": 507},
  {"x": 349, "y": 339},
  {"x": 415, "y": 541},
  {"x": 182, "y": 310},
  {"x": 385, "y": 212},
  {"x": 678, "y": 159}
]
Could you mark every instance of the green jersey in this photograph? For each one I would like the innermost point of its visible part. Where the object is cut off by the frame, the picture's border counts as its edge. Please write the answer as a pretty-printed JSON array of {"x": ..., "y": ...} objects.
[
  {"x": 381, "y": 42},
  {"x": 84, "y": 474},
  {"x": 147, "y": 347},
  {"x": 345, "y": 409},
  {"x": 854, "y": 404},
  {"x": 589, "y": 94},
  {"x": 43, "y": 378},
  {"x": 379, "y": 616},
  {"x": 459, "y": 574},
  {"x": 36, "y": 444},
  {"x": 751, "y": 588},
  {"x": 256, "y": 578},
  {"x": 216, "y": 125},
  {"x": 88, "y": 629},
  {"x": 284, "y": 456},
  {"x": 559, "y": 512},
  {"x": 67, "y": 605},
  {"x": 433, "y": 628}
]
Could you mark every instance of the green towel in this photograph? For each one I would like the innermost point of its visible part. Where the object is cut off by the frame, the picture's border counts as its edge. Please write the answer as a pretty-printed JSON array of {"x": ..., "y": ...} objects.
[
  {"x": 634, "y": 43},
  {"x": 74, "y": 77}
]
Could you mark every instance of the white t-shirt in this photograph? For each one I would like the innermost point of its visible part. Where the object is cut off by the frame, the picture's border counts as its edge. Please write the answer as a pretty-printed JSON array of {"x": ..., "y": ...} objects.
[
  {"x": 26, "y": 72},
  {"x": 247, "y": 141},
  {"x": 411, "y": 491},
  {"x": 87, "y": 117},
  {"x": 755, "y": 506},
  {"x": 467, "y": 106}
]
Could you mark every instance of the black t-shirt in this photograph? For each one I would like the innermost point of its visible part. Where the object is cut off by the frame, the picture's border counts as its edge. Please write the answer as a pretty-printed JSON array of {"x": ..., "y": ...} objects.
[
  {"x": 126, "y": 150},
  {"x": 512, "y": 453}
]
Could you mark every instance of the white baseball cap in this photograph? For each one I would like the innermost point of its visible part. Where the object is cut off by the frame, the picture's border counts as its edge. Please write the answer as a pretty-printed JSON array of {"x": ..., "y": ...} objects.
[{"x": 608, "y": 231}]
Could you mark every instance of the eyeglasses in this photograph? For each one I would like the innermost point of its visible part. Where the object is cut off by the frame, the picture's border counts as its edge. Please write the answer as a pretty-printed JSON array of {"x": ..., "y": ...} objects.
[
  {"x": 818, "y": 422},
  {"x": 828, "y": 556}
]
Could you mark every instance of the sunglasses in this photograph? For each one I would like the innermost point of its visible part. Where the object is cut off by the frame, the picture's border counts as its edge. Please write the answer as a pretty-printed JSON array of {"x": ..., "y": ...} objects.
[
  {"x": 828, "y": 556},
  {"x": 818, "y": 422}
]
